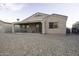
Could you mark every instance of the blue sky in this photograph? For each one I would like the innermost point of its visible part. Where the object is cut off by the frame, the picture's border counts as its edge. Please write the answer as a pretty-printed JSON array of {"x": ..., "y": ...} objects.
[{"x": 9, "y": 12}]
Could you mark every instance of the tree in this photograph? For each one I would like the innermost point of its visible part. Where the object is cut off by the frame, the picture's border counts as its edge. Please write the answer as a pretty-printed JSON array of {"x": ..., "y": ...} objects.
[
  {"x": 67, "y": 30},
  {"x": 18, "y": 19}
]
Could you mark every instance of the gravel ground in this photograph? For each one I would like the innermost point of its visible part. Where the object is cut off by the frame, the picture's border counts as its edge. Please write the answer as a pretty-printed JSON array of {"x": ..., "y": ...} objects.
[{"x": 31, "y": 44}]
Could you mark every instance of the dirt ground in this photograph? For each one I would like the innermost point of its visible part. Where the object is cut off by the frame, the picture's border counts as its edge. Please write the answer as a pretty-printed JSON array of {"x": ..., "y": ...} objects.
[{"x": 31, "y": 44}]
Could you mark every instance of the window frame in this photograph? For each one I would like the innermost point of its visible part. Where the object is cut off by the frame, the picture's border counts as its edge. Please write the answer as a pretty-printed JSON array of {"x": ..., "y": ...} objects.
[{"x": 53, "y": 25}]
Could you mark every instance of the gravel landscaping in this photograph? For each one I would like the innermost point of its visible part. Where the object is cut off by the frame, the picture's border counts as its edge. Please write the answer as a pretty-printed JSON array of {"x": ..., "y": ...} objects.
[{"x": 33, "y": 44}]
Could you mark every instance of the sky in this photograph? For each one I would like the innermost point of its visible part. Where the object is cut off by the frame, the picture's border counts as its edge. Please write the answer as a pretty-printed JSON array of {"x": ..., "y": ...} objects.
[{"x": 9, "y": 12}]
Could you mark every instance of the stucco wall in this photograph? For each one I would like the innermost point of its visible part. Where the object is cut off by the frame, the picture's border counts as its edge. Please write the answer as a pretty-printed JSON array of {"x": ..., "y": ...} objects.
[
  {"x": 5, "y": 27},
  {"x": 61, "y": 24}
]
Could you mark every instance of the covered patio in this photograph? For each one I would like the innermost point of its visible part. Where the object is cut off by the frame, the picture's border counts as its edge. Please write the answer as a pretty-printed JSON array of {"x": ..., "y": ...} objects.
[
  {"x": 32, "y": 24},
  {"x": 30, "y": 27}
]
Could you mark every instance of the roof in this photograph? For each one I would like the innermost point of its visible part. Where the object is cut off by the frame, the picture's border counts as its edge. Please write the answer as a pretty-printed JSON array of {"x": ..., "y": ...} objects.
[
  {"x": 4, "y": 22},
  {"x": 59, "y": 15},
  {"x": 37, "y": 17}
]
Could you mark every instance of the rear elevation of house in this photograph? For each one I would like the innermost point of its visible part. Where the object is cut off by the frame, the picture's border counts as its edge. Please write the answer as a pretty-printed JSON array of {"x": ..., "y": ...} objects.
[{"x": 42, "y": 23}]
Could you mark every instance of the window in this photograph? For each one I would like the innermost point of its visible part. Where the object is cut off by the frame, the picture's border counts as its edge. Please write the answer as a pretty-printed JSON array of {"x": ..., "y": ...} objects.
[{"x": 53, "y": 25}]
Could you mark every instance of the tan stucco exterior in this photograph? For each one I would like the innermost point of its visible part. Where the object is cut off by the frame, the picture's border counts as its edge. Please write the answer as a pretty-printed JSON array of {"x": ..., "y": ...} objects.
[
  {"x": 61, "y": 23},
  {"x": 44, "y": 19}
]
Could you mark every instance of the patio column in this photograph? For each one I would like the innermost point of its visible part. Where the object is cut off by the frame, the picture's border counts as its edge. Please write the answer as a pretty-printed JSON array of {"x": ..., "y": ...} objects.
[
  {"x": 20, "y": 28},
  {"x": 43, "y": 27},
  {"x": 13, "y": 28}
]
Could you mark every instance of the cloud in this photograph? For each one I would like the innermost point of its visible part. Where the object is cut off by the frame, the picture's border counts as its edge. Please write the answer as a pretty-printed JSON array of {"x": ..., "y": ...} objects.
[{"x": 12, "y": 6}]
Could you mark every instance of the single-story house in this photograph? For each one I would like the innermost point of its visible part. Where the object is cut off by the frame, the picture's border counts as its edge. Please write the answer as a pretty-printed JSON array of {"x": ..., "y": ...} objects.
[{"x": 42, "y": 23}]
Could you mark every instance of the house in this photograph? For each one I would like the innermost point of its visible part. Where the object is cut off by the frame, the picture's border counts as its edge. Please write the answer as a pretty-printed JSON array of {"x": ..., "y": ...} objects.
[
  {"x": 5, "y": 27},
  {"x": 42, "y": 23},
  {"x": 75, "y": 28}
]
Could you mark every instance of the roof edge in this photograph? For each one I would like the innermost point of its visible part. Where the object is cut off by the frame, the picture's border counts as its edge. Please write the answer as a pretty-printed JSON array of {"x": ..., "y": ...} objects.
[
  {"x": 5, "y": 22},
  {"x": 59, "y": 15}
]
